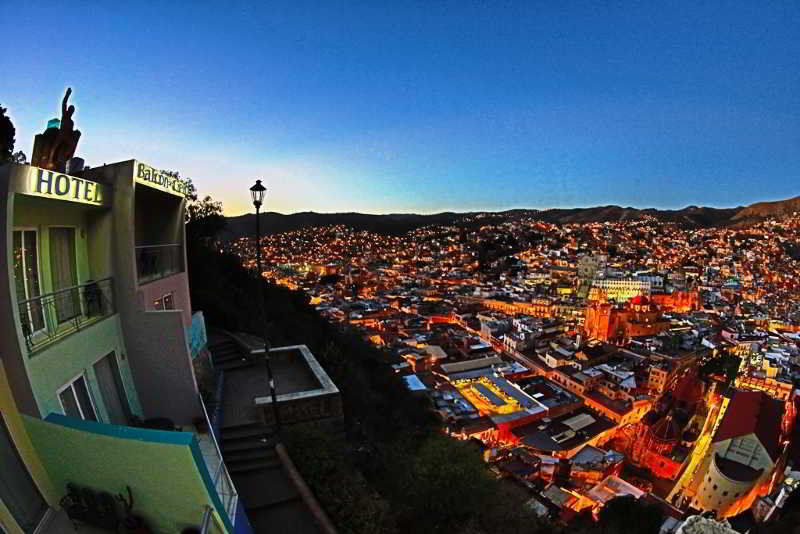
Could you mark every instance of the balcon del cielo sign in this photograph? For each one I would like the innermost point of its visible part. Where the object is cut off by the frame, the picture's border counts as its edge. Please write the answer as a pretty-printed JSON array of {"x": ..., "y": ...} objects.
[{"x": 162, "y": 180}]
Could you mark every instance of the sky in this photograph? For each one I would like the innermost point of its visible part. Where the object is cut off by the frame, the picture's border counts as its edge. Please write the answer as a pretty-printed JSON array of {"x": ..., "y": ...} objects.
[{"x": 403, "y": 106}]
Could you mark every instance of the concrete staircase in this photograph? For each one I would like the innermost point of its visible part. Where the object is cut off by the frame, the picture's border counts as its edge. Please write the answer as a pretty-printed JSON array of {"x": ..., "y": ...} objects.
[
  {"x": 226, "y": 354},
  {"x": 268, "y": 494}
]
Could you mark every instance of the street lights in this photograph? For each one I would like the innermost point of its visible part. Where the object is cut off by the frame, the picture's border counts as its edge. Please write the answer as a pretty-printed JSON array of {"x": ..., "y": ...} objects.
[{"x": 257, "y": 193}]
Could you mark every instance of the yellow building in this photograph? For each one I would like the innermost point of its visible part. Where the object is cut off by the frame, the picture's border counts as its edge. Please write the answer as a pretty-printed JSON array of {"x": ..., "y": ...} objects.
[{"x": 27, "y": 496}]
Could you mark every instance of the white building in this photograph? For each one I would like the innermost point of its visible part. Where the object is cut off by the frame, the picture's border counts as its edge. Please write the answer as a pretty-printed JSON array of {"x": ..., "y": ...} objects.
[
  {"x": 620, "y": 288},
  {"x": 745, "y": 450}
]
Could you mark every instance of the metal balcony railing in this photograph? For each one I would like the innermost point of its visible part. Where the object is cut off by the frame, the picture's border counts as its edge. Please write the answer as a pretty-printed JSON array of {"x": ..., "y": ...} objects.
[
  {"x": 154, "y": 262},
  {"x": 50, "y": 317}
]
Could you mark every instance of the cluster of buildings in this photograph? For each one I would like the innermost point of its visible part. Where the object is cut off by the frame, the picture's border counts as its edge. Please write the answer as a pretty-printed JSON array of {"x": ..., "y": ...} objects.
[{"x": 586, "y": 359}]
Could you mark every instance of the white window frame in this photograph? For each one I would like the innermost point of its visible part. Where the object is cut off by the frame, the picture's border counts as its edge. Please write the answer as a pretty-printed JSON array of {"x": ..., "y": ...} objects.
[
  {"x": 69, "y": 385},
  {"x": 38, "y": 234},
  {"x": 158, "y": 304}
]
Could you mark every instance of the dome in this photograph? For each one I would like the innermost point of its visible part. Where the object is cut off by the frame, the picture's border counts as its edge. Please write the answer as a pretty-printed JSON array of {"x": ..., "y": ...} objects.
[
  {"x": 690, "y": 390},
  {"x": 666, "y": 430}
]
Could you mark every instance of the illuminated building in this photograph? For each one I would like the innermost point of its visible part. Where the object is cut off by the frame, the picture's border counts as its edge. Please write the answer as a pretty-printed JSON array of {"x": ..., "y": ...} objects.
[
  {"x": 590, "y": 264},
  {"x": 506, "y": 404},
  {"x": 619, "y": 289},
  {"x": 658, "y": 449},
  {"x": 745, "y": 449},
  {"x": 679, "y": 301},
  {"x": 638, "y": 317}
]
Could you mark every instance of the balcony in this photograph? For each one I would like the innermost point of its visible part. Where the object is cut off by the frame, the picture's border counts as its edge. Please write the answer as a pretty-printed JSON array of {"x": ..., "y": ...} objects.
[
  {"x": 54, "y": 316},
  {"x": 154, "y": 262}
]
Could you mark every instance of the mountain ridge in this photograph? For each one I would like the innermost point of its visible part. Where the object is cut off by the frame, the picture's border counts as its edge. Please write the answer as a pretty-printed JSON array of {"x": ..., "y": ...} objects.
[{"x": 400, "y": 223}]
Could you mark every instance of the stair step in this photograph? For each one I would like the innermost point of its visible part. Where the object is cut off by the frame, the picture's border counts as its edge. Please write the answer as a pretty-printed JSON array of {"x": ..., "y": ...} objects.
[
  {"x": 231, "y": 358},
  {"x": 247, "y": 445},
  {"x": 226, "y": 356},
  {"x": 236, "y": 434},
  {"x": 238, "y": 364},
  {"x": 248, "y": 456},
  {"x": 253, "y": 465},
  {"x": 223, "y": 348}
]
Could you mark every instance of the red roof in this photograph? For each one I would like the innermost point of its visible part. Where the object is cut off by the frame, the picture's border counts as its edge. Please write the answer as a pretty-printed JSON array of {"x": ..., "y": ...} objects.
[
  {"x": 753, "y": 412},
  {"x": 640, "y": 299},
  {"x": 689, "y": 390}
]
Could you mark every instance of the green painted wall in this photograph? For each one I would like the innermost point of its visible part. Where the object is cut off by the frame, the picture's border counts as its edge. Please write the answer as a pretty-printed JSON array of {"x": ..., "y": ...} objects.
[
  {"x": 54, "y": 366},
  {"x": 168, "y": 487},
  {"x": 41, "y": 214},
  {"x": 60, "y": 363}
]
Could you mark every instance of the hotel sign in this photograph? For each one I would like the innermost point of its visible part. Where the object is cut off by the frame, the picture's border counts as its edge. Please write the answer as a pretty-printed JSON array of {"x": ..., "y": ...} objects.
[
  {"x": 51, "y": 184},
  {"x": 147, "y": 175}
]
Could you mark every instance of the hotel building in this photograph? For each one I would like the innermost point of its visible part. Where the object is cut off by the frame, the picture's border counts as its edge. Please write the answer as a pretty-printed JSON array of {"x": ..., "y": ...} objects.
[{"x": 98, "y": 346}]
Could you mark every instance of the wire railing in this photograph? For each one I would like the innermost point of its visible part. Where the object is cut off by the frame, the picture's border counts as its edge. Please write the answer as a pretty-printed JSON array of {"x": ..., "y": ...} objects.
[
  {"x": 154, "y": 262},
  {"x": 50, "y": 317},
  {"x": 220, "y": 476}
]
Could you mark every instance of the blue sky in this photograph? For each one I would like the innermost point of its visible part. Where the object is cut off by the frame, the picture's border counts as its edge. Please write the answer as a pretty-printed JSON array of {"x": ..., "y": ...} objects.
[{"x": 425, "y": 106}]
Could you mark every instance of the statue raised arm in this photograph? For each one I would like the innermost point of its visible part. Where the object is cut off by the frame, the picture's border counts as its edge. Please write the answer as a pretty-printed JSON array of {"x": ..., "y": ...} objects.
[{"x": 66, "y": 112}]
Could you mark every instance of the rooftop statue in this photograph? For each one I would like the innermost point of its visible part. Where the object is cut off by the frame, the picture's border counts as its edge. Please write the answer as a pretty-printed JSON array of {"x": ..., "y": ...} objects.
[{"x": 53, "y": 148}]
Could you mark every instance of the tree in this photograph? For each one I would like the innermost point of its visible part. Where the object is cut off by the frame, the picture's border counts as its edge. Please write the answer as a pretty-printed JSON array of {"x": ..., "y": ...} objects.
[
  {"x": 726, "y": 364},
  {"x": 204, "y": 218},
  {"x": 629, "y": 515},
  {"x": 7, "y": 134}
]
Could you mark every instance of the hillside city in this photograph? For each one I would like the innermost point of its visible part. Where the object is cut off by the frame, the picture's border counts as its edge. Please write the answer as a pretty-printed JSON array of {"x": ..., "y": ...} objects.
[{"x": 587, "y": 361}]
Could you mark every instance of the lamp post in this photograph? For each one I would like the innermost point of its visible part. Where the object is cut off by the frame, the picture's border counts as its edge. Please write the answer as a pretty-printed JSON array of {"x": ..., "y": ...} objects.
[{"x": 257, "y": 193}]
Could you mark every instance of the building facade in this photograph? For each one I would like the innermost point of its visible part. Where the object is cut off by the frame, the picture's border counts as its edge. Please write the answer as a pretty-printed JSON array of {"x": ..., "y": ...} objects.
[{"x": 97, "y": 337}]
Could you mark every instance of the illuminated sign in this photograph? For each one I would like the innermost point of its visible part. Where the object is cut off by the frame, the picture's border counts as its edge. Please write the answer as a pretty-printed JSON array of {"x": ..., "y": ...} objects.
[
  {"x": 160, "y": 180},
  {"x": 50, "y": 184}
]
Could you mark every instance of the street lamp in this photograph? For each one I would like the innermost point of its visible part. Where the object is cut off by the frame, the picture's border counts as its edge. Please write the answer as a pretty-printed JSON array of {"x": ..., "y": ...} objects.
[{"x": 257, "y": 193}]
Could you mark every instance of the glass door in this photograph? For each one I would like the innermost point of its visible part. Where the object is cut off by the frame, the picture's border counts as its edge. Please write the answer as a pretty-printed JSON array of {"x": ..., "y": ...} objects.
[
  {"x": 17, "y": 488},
  {"x": 64, "y": 272},
  {"x": 110, "y": 381},
  {"x": 26, "y": 280},
  {"x": 76, "y": 400}
]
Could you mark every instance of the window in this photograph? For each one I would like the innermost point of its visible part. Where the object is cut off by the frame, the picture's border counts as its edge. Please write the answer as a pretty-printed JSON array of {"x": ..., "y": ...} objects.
[
  {"x": 715, "y": 487},
  {"x": 26, "y": 279},
  {"x": 64, "y": 272},
  {"x": 167, "y": 302},
  {"x": 724, "y": 493},
  {"x": 76, "y": 400}
]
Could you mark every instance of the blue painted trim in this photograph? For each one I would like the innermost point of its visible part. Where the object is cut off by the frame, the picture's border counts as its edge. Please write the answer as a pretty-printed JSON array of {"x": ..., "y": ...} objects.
[
  {"x": 242, "y": 523},
  {"x": 207, "y": 480},
  {"x": 122, "y": 432}
]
